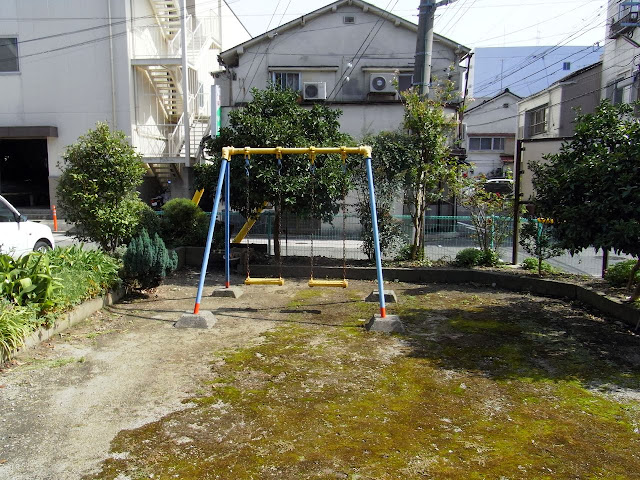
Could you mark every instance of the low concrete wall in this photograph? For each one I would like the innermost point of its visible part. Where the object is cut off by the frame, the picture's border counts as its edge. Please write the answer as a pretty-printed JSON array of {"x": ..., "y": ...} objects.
[
  {"x": 79, "y": 313},
  {"x": 519, "y": 283}
]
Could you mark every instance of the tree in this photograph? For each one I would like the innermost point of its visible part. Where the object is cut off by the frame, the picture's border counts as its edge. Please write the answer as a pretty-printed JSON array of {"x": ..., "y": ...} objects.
[
  {"x": 591, "y": 188},
  {"x": 389, "y": 152},
  {"x": 274, "y": 118},
  {"x": 430, "y": 169},
  {"x": 536, "y": 237},
  {"x": 97, "y": 188},
  {"x": 491, "y": 212}
]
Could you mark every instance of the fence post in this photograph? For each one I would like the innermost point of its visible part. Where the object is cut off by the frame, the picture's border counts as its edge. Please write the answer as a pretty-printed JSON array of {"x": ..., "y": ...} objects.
[{"x": 516, "y": 203}]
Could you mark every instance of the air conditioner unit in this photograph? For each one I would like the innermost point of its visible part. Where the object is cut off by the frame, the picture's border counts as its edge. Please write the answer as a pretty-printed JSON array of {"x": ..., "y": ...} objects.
[
  {"x": 315, "y": 90},
  {"x": 382, "y": 83}
]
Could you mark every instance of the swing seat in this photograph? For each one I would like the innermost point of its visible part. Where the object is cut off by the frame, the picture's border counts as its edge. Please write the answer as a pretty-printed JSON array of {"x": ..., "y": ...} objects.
[
  {"x": 263, "y": 281},
  {"x": 328, "y": 283}
]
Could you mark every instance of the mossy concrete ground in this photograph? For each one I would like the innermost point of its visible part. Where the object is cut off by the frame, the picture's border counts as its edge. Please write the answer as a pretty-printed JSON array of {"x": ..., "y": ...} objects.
[{"x": 484, "y": 384}]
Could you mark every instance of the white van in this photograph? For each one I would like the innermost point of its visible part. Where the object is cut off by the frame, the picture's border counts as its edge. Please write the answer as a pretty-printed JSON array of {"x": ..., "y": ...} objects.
[{"x": 18, "y": 235}]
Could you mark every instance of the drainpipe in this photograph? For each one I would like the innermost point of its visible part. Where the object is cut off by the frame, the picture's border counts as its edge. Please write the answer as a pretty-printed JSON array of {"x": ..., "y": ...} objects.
[
  {"x": 185, "y": 84},
  {"x": 114, "y": 120}
]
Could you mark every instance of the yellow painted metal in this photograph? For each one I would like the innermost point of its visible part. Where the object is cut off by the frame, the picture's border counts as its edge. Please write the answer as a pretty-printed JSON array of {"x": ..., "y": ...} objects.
[
  {"x": 197, "y": 196},
  {"x": 263, "y": 281},
  {"x": 227, "y": 152},
  {"x": 247, "y": 226},
  {"x": 328, "y": 283}
]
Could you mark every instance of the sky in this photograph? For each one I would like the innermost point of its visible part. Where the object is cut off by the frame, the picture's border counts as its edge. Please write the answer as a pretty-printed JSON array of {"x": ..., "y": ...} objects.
[{"x": 473, "y": 23}]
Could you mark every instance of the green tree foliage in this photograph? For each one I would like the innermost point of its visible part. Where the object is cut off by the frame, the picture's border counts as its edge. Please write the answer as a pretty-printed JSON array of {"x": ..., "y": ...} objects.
[
  {"x": 491, "y": 213},
  {"x": 97, "y": 189},
  {"x": 536, "y": 237},
  {"x": 591, "y": 188},
  {"x": 429, "y": 169},
  {"x": 389, "y": 151},
  {"x": 147, "y": 261},
  {"x": 184, "y": 223},
  {"x": 275, "y": 119}
]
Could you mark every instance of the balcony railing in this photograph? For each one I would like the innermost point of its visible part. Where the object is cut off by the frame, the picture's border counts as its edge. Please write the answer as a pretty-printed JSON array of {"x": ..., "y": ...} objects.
[{"x": 624, "y": 22}]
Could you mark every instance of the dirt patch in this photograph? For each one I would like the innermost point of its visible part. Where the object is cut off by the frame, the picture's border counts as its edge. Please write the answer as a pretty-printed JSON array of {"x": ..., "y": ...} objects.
[{"x": 288, "y": 385}]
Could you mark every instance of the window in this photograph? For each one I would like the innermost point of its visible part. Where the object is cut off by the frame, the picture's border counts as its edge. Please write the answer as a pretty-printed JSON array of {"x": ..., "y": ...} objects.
[
  {"x": 286, "y": 80},
  {"x": 566, "y": 66},
  {"x": 615, "y": 92},
  {"x": 8, "y": 54},
  {"x": 349, "y": 19},
  {"x": 537, "y": 121},
  {"x": 404, "y": 82},
  {"x": 486, "y": 143}
]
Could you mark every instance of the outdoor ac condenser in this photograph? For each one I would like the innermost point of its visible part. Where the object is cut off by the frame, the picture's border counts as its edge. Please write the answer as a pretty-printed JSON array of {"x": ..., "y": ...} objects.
[
  {"x": 315, "y": 90},
  {"x": 381, "y": 83}
]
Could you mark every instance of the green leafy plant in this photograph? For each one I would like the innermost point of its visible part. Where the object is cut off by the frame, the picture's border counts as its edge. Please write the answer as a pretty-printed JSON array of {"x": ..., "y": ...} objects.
[
  {"x": 619, "y": 273},
  {"x": 16, "y": 323},
  {"x": 531, "y": 263},
  {"x": 274, "y": 118},
  {"x": 536, "y": 237},
  {"x": 147, "y": 261},
  {"x": 28, "y": 280},
  {"x": 590, "y": 188},
  {"x": 473, "y": 257},
  {"x": 185, "y": 224},
  {"x": 98, "y": 187}
]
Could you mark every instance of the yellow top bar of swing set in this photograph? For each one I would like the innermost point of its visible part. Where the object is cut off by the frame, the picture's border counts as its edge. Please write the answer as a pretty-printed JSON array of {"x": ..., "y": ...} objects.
[{"x": 227, "y": 152}]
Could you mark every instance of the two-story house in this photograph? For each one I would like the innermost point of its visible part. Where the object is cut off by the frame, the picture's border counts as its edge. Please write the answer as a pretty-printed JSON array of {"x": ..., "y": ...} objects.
[
  {"x": 490, "y": 134},
  {"x": 621, "y": 60},
  {"x": 547, "y": 119},
  {"x": 348, "y": 54},
  {"x": 143, "y": 66}
]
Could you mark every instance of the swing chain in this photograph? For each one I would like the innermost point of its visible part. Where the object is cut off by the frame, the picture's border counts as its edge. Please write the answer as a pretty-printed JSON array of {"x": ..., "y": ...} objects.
[
  {"x": 279, "y": 157},
  {"x": 312, "y": 169},
  {"x": 344, "y": 218},
  {"x": 247, "y": 253}
]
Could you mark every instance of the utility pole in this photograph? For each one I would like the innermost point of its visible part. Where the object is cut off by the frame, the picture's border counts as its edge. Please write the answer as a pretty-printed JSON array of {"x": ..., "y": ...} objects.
[{"x": 424, "y": 44}]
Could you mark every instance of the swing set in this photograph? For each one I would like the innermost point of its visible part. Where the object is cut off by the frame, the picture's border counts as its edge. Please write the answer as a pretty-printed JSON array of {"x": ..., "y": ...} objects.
[{"x": 224, "y": 178}]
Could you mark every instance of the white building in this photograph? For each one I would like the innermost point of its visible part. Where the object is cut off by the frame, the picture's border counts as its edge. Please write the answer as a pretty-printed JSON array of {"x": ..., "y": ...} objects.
[
  {"x": 66, "y": 65},
  {"x": 490, "y": 134},
  {"x": 346, "y": 54},
  {"x": 551, "y": 113},
  {"x": 621, "y": 61}
]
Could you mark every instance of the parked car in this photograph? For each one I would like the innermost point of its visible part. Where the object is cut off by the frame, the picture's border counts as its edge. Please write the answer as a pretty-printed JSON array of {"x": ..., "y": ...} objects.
[
  {"x": 499, "y": 185},
  {"x": 18, "y": 235}
]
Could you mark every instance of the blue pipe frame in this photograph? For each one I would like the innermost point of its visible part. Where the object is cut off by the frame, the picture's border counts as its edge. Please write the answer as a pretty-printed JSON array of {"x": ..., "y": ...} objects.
[{"x": 225, "y": 174}]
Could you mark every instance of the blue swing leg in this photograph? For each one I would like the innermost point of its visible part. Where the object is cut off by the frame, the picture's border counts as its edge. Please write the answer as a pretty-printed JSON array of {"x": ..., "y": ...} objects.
[{"x": 212, "y": 224}]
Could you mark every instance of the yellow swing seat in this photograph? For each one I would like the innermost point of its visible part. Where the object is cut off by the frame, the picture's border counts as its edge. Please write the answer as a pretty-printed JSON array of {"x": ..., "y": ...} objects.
[
  {"x": 328, "y": 283},
  {"x": 264, "y": 281}
]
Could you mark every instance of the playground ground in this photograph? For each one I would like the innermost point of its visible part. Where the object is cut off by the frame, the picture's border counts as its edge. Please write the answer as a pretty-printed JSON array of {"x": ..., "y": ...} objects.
[{"x": 288, "y": 385}]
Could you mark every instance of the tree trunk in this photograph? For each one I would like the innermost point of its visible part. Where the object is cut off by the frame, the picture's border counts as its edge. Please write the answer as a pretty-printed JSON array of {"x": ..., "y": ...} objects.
[{"x": 539, "y": 265}]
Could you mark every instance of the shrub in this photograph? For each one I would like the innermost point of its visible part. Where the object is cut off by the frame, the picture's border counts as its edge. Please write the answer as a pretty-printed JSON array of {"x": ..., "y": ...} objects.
[
  {"x": 28, "y": 280},
  {"x": 531, "y": 263},
  {"x": 98, "y": 187},
  {"x": 473, "y": 257},
  {"x": 150, "y": 221},
  {"x": 184, "y": 223},
  {"x": 468, "y": 257},
  {"x": 147, "y": 261},
  {"x": 618, "y": 274}
]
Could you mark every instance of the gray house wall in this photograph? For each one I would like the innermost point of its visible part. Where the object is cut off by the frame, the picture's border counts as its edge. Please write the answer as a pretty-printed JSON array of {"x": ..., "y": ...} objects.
[{"x": 582, "y": 94}]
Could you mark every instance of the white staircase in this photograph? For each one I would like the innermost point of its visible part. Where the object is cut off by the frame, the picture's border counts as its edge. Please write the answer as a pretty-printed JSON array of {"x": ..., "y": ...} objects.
[
  {"x": 167, "y": 83},
  {"x": 167, "y": 13}
]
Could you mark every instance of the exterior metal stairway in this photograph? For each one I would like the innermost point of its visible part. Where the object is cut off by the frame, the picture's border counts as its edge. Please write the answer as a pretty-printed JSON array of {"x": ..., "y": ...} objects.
[
  {"x": 166, "y": 82},
  {"x": 167, "y": 13}
]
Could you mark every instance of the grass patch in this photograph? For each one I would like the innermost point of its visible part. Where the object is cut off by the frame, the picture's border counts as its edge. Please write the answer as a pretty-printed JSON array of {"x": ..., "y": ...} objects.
[{"x": 487, "y": 385}]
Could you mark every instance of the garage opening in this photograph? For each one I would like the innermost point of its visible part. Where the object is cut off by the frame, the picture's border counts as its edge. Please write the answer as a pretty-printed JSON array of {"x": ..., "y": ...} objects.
[{"x": 24, "y": 172}]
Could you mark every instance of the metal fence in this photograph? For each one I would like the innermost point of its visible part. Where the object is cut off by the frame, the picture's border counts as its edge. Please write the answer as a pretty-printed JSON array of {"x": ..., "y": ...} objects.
[{"x": 444, "y": 237}]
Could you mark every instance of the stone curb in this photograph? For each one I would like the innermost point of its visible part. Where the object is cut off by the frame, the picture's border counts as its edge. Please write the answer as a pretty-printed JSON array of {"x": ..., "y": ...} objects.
[
  {"x": 613, "y": 307},
  {"x": 79, "y": 313}
]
